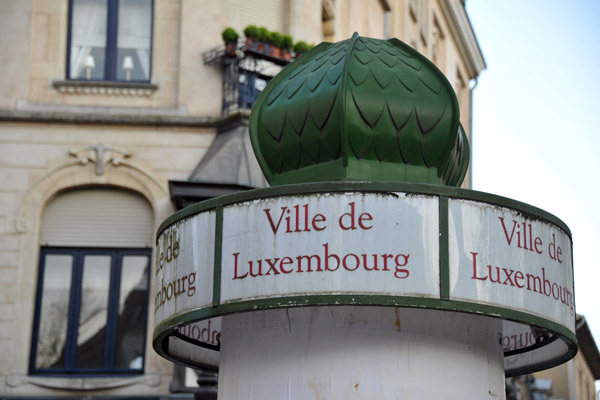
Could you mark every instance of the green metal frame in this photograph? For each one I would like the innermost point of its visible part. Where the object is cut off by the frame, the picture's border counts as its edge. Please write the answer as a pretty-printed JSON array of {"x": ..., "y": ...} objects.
[{"x": 168, "y": 327}]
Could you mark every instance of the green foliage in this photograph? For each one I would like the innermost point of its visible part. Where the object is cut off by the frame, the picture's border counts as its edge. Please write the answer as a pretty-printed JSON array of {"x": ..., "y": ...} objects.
[
  {"x": 263, "y": 34},
  {"x": 301, "y": 47},
  {"x": 275, "y": 39},
  {"x": 287, "y": 42},
  {"x": 251, "y": 32},
  {"x": 230, "y": 35}
]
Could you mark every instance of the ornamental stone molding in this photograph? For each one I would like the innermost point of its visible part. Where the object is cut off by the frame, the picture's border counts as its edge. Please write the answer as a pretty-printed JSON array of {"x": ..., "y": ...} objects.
[
  {"x": 124, "y": 89},
  {"x": 16, "y": 381},
  {"x": 93, "y": 165},
  {"x": 97, "y": 154}
]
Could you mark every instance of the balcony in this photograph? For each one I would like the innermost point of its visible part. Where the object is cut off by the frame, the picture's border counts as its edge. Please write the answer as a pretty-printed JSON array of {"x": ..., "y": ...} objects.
[{"x": 247, "y": 68}]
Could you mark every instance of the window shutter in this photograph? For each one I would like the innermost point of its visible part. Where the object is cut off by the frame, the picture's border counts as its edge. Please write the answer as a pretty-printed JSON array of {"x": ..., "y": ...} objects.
[
  {"x": 268, "y": 13},
  {"x": 98, "y": 218}
]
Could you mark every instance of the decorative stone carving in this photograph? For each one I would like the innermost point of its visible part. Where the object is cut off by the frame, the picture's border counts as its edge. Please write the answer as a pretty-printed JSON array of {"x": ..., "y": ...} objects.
[
  {"x": 97, "y": 154},
  {"x": 105, "y": 88}
]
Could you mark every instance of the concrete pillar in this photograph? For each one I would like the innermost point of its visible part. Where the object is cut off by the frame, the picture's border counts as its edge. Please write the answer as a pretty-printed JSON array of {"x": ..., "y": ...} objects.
[{"x": 350, "y": 352}]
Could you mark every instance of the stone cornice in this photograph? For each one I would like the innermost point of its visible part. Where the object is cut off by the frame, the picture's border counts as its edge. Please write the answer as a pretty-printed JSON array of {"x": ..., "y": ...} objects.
[
  {"x": 462, "y": 30},
  {"x": 101, "y": 88},
  {"x": 82, "y": 383},
  {"x": 119, "y": 119}
]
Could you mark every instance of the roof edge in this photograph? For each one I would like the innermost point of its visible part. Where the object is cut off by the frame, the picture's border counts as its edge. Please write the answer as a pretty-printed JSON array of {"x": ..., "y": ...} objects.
[
  {"x": 69, "y": 117},
  {"x": 588, "y": 346},
  {"x": 464, "y": 34}
]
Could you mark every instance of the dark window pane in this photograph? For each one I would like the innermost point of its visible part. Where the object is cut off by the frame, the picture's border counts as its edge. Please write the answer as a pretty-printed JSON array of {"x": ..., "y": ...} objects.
[
  {"x": 133, "y": 300},
  {"x": 93, "y": 311},
  {"x": 88, "y": 39},
  {"x": 134, "y": 40},
  {"x": 54, "y": 312},
  {"x": 99, "y": 326}
]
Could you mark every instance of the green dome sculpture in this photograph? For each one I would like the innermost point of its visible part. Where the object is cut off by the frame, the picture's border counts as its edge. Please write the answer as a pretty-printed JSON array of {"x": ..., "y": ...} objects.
[{"x": 362, "y": 110}]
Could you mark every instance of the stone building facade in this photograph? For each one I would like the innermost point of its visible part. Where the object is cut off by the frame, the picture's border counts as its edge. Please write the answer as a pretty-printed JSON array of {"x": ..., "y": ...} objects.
[
  {"x": 573, "y": 380},
  {"x": 111, "y": 118},
  {"x": 576, "y": 378}
]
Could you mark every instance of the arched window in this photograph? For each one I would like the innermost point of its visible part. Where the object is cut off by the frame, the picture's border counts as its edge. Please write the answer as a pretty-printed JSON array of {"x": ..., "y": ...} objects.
[{"x": 92, "y": 299}]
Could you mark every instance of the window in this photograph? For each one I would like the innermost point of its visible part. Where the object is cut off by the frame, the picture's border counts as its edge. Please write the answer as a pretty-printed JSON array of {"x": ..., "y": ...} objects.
[
  {"x": 91, "y": 311},
  {"x": 110, "y": 40},
  {"x": 250, "y": 87},
  {"x": 93, "y": 284}
]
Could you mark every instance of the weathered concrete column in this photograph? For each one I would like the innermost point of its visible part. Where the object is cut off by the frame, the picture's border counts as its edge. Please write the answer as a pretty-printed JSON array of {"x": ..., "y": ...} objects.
[{"x": 365, "y": 353}]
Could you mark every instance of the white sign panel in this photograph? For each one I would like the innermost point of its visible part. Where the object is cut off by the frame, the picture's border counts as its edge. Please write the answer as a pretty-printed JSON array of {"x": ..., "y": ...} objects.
[
  {"x": 366, "y": 247},
  {"x": 498, "y": 256},
  {"x": 184, "y": 266},
  {"x": 343, "y": 243},
  {"x": 198, "y": 342}
]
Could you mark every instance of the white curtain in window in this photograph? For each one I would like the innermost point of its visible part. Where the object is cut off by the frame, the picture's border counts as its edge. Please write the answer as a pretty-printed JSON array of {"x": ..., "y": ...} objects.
[
  {"x": 88, "y": 30},
  {"x": 135, "y": 26}
]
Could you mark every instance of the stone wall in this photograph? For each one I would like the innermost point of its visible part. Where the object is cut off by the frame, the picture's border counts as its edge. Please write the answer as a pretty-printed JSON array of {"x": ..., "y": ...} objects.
[{"x": 35, "y": 165}]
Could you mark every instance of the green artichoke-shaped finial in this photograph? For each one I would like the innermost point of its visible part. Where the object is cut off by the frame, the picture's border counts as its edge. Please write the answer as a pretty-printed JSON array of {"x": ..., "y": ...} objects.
[{"x": 361, "y": 109}]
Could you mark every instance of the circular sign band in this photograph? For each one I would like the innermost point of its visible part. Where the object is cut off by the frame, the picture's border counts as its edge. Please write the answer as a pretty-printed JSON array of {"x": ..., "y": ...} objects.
[{"x": 391, "y": 244}]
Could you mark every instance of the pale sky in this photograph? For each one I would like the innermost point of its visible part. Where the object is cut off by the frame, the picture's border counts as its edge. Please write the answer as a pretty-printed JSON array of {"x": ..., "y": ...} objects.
[{"x": 536, "y": 120}]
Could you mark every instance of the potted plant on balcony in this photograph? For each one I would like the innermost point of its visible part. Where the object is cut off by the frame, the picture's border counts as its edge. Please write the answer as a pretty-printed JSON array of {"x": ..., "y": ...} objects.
[
  {"x": 286, "y": 46},
  {"x": 300, "y": 48},
  {"x": 275, "y": 43},
  {"x": 230, "y": 37},
  {"x": 251, "y": 33},
  {"x": 263, "y": 37}
]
